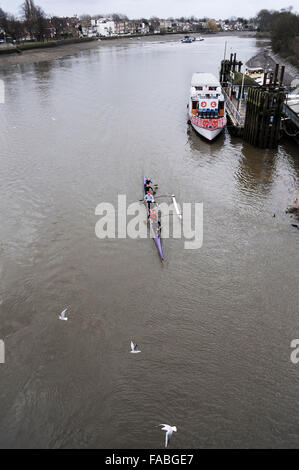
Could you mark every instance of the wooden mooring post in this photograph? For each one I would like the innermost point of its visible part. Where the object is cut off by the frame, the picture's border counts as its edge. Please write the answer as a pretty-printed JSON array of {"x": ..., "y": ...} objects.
[
  {"x": 264, "y": 111},
  {"x": 264, "y": 105},
  {"x": 227, "y": 66}
]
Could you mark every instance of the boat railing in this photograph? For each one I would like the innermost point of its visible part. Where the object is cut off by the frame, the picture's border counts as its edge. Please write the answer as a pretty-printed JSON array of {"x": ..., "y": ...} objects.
[{"x": 233, "y": 110}]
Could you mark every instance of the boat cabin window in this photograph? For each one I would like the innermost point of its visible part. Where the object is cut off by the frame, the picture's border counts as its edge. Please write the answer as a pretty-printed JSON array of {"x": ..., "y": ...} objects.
[
  {"x": 198, "y": 88},
  {"x": 212, "y": 88},
  {"x": 194, "y": 104}
]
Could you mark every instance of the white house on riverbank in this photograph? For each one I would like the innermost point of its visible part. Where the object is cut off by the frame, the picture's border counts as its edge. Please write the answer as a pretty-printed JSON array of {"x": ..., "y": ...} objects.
[
  {"x": 108, "y": 27},
  {"x": 103, "y": 27}
]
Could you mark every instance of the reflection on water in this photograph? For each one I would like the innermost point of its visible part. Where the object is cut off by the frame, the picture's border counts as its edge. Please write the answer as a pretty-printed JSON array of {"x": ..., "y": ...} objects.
[
  {"x": 256, "y": 168},
  {"x": 201, "y": 147},
  {"x": 214, "y": 325}
]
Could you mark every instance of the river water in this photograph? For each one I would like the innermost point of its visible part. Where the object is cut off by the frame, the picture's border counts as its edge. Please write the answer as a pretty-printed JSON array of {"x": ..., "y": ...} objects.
[{"x": 214, "y": 324}]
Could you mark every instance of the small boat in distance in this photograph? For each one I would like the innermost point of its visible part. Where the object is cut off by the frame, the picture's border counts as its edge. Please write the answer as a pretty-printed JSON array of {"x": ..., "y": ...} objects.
[
  {"x": 206, "y": 106},
  {"x": 187, "y": 39}
]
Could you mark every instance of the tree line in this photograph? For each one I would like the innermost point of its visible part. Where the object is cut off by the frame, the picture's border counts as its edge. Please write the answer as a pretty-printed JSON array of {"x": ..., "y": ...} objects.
[
  {"x": 283, "y": 28},
  {"x": 33, "y": 22}
]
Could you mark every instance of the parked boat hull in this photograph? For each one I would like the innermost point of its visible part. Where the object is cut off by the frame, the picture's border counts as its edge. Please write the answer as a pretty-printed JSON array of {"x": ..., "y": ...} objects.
[
  {"x": 208, "y": 128},
  {"x": 208, "y": 134}
]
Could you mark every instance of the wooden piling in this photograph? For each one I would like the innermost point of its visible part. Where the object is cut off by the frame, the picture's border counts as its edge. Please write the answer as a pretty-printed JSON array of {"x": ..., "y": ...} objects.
[
  {"x": 263, "y": 116},
  {"x": 263, "y": 106},
  {"x": 275, "y": 74},
  {"x": 281, "y": 75},
  {"x": 227, "y": 66}
]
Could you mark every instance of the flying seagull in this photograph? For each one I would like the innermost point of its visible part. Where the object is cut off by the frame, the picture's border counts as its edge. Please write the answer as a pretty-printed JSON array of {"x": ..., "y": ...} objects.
[
  {"x": 62, "y": 315},
  {"x": 169, "y": 430},
  {"x": 134, "y": 348}
]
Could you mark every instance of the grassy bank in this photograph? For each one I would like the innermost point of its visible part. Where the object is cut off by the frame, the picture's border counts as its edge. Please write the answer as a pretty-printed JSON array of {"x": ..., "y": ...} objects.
[{"x": 42, "y": 45}]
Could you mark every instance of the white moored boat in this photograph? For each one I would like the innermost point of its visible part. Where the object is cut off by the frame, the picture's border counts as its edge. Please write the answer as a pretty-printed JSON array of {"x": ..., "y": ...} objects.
[{"x": 206, "y": 105}]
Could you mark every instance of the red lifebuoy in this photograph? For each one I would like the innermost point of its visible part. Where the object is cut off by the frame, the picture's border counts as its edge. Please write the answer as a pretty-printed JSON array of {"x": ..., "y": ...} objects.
[
  {"x": 205, "y": 123},
  {"x": 215, "y": 123},
  {"x": 203, "y": 104},
  {"x": 213, "y": 104}
]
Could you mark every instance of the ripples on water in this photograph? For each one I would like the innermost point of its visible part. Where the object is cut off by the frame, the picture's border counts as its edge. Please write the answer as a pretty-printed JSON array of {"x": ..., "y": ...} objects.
[{"x": 214, "y": 325}]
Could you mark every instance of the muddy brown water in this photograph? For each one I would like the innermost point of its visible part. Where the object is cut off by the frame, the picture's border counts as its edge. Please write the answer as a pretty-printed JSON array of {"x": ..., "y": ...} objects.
[{"x": 214, "y": 325}]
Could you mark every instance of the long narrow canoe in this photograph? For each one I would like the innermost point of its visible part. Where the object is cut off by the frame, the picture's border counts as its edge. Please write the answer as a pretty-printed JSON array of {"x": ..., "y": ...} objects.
[{"x": 153, "y": 220}]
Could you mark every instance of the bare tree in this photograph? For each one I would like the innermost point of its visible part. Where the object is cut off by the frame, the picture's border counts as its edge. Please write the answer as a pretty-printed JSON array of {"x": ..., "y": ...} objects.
[
  {"x": 15, "y": 29},
  {"x": 40, "y": 23},
  {"x": 85, "y": 17},
  {"x": 119, "y": 17},
  {"x": 3, "y": 19},
  {"x": 154, "y": 24},
  {"x": 35, "y": 19},
  {"x": 97, "y": 17},
  {"x": 265, "y": 19}
]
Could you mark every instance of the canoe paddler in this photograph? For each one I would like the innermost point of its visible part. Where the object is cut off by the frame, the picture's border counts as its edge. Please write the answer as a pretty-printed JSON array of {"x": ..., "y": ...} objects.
[
  {"x": 147, "y": 184},
  {"x": 148, "y": 188},
  {"x": 149, "y": 199}
]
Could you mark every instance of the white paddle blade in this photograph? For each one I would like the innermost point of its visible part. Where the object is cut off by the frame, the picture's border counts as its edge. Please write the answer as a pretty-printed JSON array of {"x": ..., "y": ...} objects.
[{"x": 176, "y": 207}]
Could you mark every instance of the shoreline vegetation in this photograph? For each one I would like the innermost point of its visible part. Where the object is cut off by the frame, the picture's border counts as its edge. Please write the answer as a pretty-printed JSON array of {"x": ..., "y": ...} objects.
[
  {"x": 282, "y": 29},
  {"x": 17, "y": 48},
  {"x": 34, "y": 29}
]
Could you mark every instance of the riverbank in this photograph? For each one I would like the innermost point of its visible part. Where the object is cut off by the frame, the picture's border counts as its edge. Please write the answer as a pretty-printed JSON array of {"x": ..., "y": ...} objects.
[
  {"x": 25, "y": 46},
  {"x": 52, "y": 51},
  {"x": 267, "y": 60},
  {"x": 64, "y": 49}
]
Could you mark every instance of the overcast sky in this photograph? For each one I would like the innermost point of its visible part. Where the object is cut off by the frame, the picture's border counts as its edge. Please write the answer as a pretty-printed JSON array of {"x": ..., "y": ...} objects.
[{"x": 161, "y": 8}]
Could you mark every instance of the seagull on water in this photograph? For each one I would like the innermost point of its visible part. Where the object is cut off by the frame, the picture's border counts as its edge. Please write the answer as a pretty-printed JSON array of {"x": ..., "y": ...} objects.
[
  {"x": 62, "y": 315},
  {"x": 134, "y": 348},
  {"x": 169, "y": 430}
]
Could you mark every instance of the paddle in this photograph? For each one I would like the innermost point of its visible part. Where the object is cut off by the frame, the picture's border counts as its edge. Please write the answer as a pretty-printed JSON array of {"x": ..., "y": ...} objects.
[{"x": 164, "y": 195}]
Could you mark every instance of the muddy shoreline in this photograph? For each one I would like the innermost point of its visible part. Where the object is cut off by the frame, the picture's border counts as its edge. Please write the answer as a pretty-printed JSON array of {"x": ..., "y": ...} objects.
[
  {"x": 38, "y": 55},
  {"x": 268, "y": 60},
  {"x": 266, "y": 56}
]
